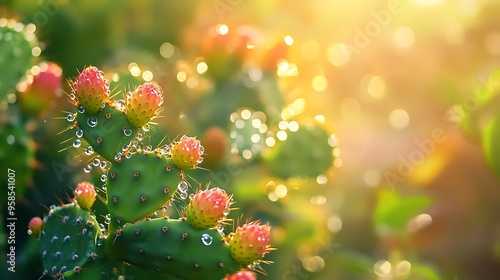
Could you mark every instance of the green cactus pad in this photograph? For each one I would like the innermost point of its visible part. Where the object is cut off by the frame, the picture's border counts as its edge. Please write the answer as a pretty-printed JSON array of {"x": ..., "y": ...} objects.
[
  {"x": 307, "y": 152},
  {"x": 138, "y": 186},
  {"x": 16, "y": 44},
  {"x": 173, "y": 247},
  {"x": 68, "y": 240},
  {"x": 107, "y": 131}
]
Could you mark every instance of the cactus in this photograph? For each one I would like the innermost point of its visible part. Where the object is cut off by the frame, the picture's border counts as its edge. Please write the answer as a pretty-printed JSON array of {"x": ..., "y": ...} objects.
[
  {"x": 16, "y": 55},
  {"x": 138, "y": 181}
]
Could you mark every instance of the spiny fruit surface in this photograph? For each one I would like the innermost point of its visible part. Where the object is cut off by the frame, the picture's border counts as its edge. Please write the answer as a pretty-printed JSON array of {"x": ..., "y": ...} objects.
[
  {"x": 187, "y": 152},
  {"x": 242, "y": 275},
  {"x": 207, "y": 208},
  {"x": 85, "y": 195},
  {"x": 41, "y": 89},
  {"x": 250, "y": 242},
  {"x": 91, "y": 89},
  {"x": 143, "y": 104}
]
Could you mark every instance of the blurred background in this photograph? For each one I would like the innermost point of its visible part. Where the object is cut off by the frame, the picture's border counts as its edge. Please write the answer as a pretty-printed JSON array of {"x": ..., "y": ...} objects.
[{"x": 364, "y": 133}]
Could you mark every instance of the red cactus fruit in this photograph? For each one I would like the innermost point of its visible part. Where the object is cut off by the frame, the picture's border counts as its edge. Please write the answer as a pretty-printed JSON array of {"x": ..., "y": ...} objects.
[
  {"x": 207, "y": 208},
  {"x": 144, "y": 104},
  {"x": 187, "y": 152},
  {"x": 42, "y": 90},
  {"x": 242, "y": 275},
  {"x": 91, "y": 89},
  {"x": 215, "y": 142},
  {"x": 85, "y": 195},
  {"x": 35, "y": 226},
  {"x": 250, "y": 242}
]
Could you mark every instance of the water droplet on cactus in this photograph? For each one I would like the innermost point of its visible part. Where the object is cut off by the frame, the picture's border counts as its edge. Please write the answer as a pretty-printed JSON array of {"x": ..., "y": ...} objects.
[
  {"x": 139, "y": 137},
  {"x": 156, "y": 213},
  {"x": 96, "y": 161},
  {"x": 72, "y": 96},
  {"x": 81, "y": 109},
  {"x": 30, "y": 232},
  {"x": 79, "y": 133},
  {"x": 89, "y": 150},
  {"x": 52, "y": 207},
  {"x": 127, "y": 131},
  {"x": 77, "y": 143},
  {"x": 206, "y": 239},
  {"x": 226, "y": 212},
  {"x": 103, "y": 178},
  {"x": 92, "y": 121},
  {"x": 147, "y": 149},
  {"x": 118, "y": 156},
  {"x": 70, "y": 118},
  {"x": 183, "y": 195},
  {"x": 104, "y": 164},
  {"x": 128, "y": 155},
  {"x": 120, "y": 104},
  {"x": 87, "y": 169},
  {"x": 145, "y": 128},
  {"x": 191, "y": 196},
  {"x": 103, "y": 105},
  {"x": 182, "y": 186},
  {"x": 104, "y": 187}
]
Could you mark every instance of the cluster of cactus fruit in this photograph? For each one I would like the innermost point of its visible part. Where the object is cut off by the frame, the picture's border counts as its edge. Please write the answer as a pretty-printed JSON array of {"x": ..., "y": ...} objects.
[{"x": 138, "y": 182}]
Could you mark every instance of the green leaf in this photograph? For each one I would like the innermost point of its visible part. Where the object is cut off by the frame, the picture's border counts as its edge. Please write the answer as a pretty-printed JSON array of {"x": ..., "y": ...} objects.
[
  {"x": 393, "y": 212},
  {"x": 491, "y": 144},
  {"x": 426, "y": 272}
]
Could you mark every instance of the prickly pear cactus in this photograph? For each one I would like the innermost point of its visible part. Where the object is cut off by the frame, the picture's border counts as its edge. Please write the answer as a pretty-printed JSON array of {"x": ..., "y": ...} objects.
[
  {"x": 138, "y": 182},
  {"x": 16, "y": 53}
]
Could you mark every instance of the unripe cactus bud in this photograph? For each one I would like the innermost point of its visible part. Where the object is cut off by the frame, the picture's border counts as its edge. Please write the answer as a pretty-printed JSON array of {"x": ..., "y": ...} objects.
[
  {"x": 144, "y": 103},
  {"x": 187, "y": 152},
  {"x": 42, "y": 89},
  {"x": 207, "y": 208},
  {"x": 85, "y": 195},
  {"x": 250, "y": 242},
  {"x": 91, "y": 90},
  {"x": 35, "y": 226},
  {"x": 242, "y": 275}
]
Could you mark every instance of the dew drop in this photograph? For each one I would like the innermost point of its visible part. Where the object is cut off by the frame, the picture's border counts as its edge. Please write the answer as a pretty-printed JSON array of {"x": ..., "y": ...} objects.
[
  {"x": 128, "y": 155},
  {"x": 81, "y": 109},
  {"x": 103, "y": 178},
  {"x": 118, "y": 156},
  {"x": 104, "y": 187},
  {"x": 89, "y": 150},
  {"x": 70, "y": 118},
  {"x": 30, "y": 232},
  {"x": 92, "y": 121},
  {"x": 79, "y": 133},
  {"x": 96, "y": 161},
  {"x": 77, "y": 143},
  {"x": 147, "y": 149},
  {"x": 182, "y": 186},
  {"x": 183, "y": 195},
  {"x": 52, "y": 207},
  {"x": 145, "y": 128},
  {"x": 139, "y": 137},
  {"x": 87, "y": 169},
  {"x": 120, "y": 104},
  {"x": 226, "y": 212},
  {"x": 191, "y": 196},
  {"x": 104, "y": 164},
  {"x": 201, "y": 150},
  {"x": 206, "y": 239},
  {"x": 127, "y": 131},
  {"x": 72, "y": 96}
]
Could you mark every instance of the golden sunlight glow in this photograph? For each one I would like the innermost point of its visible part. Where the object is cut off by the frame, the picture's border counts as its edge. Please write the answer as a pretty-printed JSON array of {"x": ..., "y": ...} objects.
[
  {"x": 222, "y": 29},
  {"x": 201, "y": 67},
  {"x": 404, "y": 37},
  {"x": 399, "y": 119},
  {"x": 377, "y": 87},
  {"x": 288, "y": 40},
  {"x": 167, "y": 50},
  {"x": 319, "y": 83},
  {"x": 338, "y": 54}
]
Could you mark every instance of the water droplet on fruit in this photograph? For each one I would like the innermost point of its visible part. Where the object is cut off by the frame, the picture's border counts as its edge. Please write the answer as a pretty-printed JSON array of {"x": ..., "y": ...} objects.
[
  {"x": 89, "y": 150},
  {"x": 206, "y": 239},
  {"x": 127, "y": 131},
  {"x": 79, "y": 133},
  {"x": 226, "y": 212},
  {"x": 92, "y": 121},
  {"x": 72, "y": 96},
  {"x": 77, "y": 143},
  {"x": 201, "y": 150},
  {"x": 70, "y": 118},
  {"x": 103, "y": 178},
  {"x": 191, "y": 196},
  {"x": 87, "y": 169},
  {"x": 81, "y": 109}
]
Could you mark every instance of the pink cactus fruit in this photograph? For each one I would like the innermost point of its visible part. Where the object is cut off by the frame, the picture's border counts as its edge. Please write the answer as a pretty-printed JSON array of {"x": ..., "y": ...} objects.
[
  {"x": 242, "y": 275},
  {"x": 250, "y": 242},
  {"x": 91, "y": 90},
  {"x": 207, "y": 208},
  {"x": 187, "y": 152},
  {"x": 144, "y": 104},
  {"x": 85, "y": 195},
  {"x": 35, "y": 226}
]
